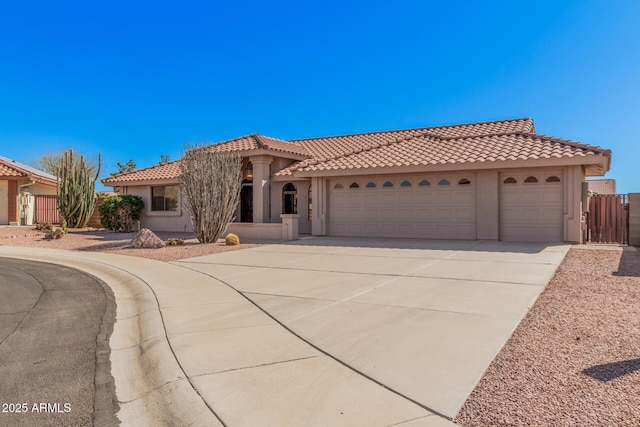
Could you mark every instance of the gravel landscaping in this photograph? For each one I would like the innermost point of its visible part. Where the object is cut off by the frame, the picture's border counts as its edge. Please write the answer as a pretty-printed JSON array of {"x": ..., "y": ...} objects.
[
  {"x": 118, "y": 243},
  {"x": 575, "y": 358}
]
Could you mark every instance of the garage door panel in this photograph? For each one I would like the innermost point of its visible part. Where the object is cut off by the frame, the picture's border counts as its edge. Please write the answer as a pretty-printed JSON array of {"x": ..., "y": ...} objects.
[
  {"x": 531, "y": 212},
  {"x": 444, "y": 197},
  {"x": 387, "y": 215},
  {"x": 406, "y": 199},
  {"x": 405, "y": 214},
  {"x": 552, "y": 197},
  {"x": 446, "y": 212},
  {"x": 464, "y": 198},
  {"x": 465, "y": 215}
]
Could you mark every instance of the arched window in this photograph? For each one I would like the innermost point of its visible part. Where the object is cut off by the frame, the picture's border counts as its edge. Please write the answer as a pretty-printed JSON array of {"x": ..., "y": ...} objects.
[
  {"x": 510, "y": 180},
  {"x": 531, "y": 180},
  {"x": 405, "y": 184},
  {"x": 553, "y": 178},
  {"x": 424, "y": 183},
  {"x": 444, "y": 182},
  {"x": 338, "y": 186},
  {"x": 354, "y": 185},
  {"x": 371, "y": 184},
  {"x": 310, "y": 204},
  {"x": 464, "y": 181},
  {"x": 387, "y": 184},
  {"x": 289, "y": 199}
]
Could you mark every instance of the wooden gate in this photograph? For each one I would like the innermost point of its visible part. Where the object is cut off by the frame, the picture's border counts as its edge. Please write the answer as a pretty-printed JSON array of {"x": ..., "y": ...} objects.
[
  {"x": 608, "y": 219},
  {"x": 47, "y": 209}
]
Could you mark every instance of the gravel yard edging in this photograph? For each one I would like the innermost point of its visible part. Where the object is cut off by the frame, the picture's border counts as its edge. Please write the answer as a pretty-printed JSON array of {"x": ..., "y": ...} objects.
[{"x": 575, "y": 357}]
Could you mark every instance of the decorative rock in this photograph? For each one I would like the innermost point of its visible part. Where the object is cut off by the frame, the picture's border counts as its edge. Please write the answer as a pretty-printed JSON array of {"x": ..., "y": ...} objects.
[
  {"x": 232, "y": 239},
  {"x": 147, "y": 239}
]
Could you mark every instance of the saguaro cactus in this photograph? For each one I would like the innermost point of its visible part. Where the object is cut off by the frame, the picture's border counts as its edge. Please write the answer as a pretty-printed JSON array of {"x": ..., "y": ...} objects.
[{"x": 76, "y": 190}]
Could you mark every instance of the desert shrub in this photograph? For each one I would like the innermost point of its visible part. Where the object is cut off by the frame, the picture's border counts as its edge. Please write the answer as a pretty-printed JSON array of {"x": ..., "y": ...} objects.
[
  {"x": 174, "y": 241},
  {"x": 118, "y": 213},
  {"x": 43, "y": 226},
  {"x": 54, "y": 232}
]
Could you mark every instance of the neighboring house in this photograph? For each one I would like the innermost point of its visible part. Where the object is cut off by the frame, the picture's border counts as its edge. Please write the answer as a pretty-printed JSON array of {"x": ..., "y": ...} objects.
[
  {"x": 20, "y": 185},
  {"x": 492, "y": 180},
  {"x": 601, "y": 186}
]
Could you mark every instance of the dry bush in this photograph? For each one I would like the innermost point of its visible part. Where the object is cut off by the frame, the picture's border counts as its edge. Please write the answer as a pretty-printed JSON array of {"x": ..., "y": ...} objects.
[{"x": 210, "y": 184}]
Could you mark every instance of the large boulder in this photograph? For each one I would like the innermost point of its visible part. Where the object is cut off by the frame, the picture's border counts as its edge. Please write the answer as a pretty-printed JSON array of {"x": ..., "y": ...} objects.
[{"x": 147, "y": 239}]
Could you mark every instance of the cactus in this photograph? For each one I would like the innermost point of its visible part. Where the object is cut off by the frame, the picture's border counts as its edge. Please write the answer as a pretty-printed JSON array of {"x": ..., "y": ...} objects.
[
  {"x": 232, "y": 239},
  {"x": 76, "y": 190}
]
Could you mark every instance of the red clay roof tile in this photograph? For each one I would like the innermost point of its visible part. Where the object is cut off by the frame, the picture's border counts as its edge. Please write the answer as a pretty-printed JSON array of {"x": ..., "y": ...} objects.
[{"x": 466, "y": 143}]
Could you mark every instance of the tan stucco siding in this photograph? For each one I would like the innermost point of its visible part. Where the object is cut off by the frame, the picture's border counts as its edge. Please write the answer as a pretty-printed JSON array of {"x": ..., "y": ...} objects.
[
  {"x": 302, "y": 187},
  {"x": 160, "y": 221}
]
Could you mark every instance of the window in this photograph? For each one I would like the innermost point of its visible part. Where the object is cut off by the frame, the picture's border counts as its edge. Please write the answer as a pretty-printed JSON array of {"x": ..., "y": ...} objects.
[
  {"x": 464, "y": 181},
  {"x": 354, "y": 185},
  {"x": 310, "y": 204},
  {"x": 338, "y": 186},
  {"x": 371, "y": 184},
  {"x": 444, "y": 182},
  {"x": 531, "y": 180},
  {"x": 387, "y": 184},
  {"x": 424, "y": 183},
  {"x": 510, "y": 180},
  {"x": 405, "y": 184},
  {"x": 164, "y": 198},
  {"x": 553, "y": 178},
  {"x": 289, "y": 199}
]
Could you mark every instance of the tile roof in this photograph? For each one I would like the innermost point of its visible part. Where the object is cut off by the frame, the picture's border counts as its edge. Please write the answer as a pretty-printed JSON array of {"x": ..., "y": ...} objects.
[
  {"x": 335, "y": 146},
  {"x": 465, "y": 143},
  {"x": 257, "y": 142},
  {"x": 12, "y": 169},
  {"x": 169, "y": 170},
  {"x": 244, "y": 143},
  {"x": 427, "y": 150}
]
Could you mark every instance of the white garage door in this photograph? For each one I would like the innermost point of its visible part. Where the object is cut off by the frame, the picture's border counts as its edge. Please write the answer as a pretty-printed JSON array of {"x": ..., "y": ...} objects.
[
  {"x": 4, "y": 202},
  {"x": 531, "y": 206},
  {"x": 434, "y": 207}
]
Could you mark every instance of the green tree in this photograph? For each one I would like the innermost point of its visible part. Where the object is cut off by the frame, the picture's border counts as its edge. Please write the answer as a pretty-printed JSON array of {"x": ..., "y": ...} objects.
[
  {"x": 126, "y": 167},
  {"x": 49, "y": 162},
  {"x": 164, "y": 159}
]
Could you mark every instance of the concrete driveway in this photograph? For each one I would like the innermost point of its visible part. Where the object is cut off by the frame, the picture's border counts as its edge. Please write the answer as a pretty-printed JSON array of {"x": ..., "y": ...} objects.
[{"x": 423, "y": 318}]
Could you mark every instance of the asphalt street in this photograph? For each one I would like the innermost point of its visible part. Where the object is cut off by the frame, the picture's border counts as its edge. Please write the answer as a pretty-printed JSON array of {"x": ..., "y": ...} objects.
[{"x": 55, "y": 324}]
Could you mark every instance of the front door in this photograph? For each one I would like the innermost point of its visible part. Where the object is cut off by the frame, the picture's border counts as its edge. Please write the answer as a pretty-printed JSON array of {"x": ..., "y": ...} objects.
[{"x": 246, "y": 203}]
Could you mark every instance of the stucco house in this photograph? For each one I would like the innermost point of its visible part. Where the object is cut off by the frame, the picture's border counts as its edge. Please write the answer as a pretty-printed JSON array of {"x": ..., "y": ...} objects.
[
  {"x": 492, "y": 180},
  {"x": 601, "y": 186},
  {"x": 19, "y": 184}
]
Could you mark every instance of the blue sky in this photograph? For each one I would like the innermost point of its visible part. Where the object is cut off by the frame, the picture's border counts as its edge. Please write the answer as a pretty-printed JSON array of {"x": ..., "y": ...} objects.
[{"x": 135, "y": 80}]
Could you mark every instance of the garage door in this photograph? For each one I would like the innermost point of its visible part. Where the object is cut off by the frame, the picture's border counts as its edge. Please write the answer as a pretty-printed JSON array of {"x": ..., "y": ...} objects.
[
  {"x": 531, "y": 207},
  {"x": 435, "y": 207}
]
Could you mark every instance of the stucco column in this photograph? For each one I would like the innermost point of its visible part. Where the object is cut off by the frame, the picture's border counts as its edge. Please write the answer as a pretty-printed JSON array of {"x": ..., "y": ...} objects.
[
  {"x": 573, "y": 204},
  {"x": 319, "y": 212},
  {"x": 13, "y": 203},
  {"x": 261, "y": 177},
  {"x": 487, "y": 205},
  {"x": 290, "y": 226}
]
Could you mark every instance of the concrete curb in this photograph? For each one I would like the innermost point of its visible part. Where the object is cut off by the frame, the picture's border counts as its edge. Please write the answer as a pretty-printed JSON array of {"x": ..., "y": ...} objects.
[{"x": 146, "y": 372}]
